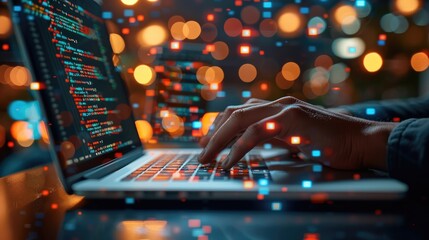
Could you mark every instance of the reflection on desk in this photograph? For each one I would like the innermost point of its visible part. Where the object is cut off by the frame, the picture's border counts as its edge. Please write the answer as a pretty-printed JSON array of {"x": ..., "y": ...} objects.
[
  {"x": 35, "y": 206},
  {"x": 227, "y": 225}
]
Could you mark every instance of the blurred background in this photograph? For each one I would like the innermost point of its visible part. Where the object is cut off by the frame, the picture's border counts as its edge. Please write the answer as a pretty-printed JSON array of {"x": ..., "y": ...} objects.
[{"x": 184, "y": 61}]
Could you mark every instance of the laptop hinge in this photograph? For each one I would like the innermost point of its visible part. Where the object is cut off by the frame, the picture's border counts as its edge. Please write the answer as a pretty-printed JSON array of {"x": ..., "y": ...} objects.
[{"x": 112, "y": 167}]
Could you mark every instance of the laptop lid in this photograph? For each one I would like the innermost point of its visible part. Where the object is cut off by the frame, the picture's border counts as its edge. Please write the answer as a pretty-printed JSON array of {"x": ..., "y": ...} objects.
[{"x": 66, "y": 46}]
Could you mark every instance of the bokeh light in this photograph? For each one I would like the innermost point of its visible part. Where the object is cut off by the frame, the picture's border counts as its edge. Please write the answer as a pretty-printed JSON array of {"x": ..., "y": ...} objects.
[
  {"x": 318, "y": 24},
  {"x": 324, "y": 61},
  {"x": 207, "y": 120},
  {"x": 290, "y": 22},
  {"x": 152, "y": 35},
  {"x": 250, "y": 15},
  {"x": 282, "y": 83},
  {"x": 338, "y": 73},
  {"x": 144, "y": 130},
  {"x": 144, "y": 74},
  {"x": 373, "y": 62},
  {"x": 268, "y": 27},
  {"x": 233, "y": 27},
  {"x": 214, "y": 75},
  {"x": 209, "y": 32},
  {"x": 6, "y": 26},
  {"x": 291, "y": 71},
  {"x": 177, "y": 30},
  {"x": 247, "y": 72},
  {"x": 129, "y": 2},
  {"x": 221, "y": 51},
  {"x": 23, "y": 133},
  {"x": 117, "y": 43},
  {"x": 419, "y": 61},
  {"x": 407, "y": 7},
  {"x": 19, "y": 76},
  {"x": 192, "y": 30},
  {"x": 348, "y": 48},
  {"x": 67, "y": 149},
  {"x": 172, "y": 123},
  {"x": 345, "y": 14}
]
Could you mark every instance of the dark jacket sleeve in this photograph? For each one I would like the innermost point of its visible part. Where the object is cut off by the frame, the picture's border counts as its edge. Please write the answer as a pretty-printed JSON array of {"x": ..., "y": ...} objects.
[
  {"x": 408, "y": 153},
  {"x": 408, "y": 145},
  {"x": 391, "y": 110}
]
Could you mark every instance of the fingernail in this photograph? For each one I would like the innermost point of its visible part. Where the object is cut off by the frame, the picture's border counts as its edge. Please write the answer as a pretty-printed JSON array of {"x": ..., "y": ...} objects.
[{"x": 200, "y": 157}]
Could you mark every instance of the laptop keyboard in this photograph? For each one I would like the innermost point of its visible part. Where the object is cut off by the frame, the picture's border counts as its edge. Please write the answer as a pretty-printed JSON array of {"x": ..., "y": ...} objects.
[{"x": 185, "y": 167}]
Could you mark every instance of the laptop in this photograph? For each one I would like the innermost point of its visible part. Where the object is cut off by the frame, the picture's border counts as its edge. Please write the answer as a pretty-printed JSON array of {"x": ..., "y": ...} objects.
[{"x": 94, "y": 142}]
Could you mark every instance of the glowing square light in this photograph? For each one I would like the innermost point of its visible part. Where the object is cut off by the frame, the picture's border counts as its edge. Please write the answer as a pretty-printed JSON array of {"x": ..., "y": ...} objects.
[
  {"x": 35, "y": 86},
  {"x": 360, "y": 3},
  {"x": 304, "y": 10},
  {"x": 150, "y": 93},
  {"x": 197, "y": 124},
  {"x": 276, "y": 206},
  {"x": 316, "y": 153},
  {"x": 245, "y": 49},
  {"x": 125, "y": 31},
  {"x": 266, "y": 14},
  {"x": 210, "y": 48},
  {"x": 267, "y": 5},
  {"x": 221, "y": 94},
  {"x": 246, "y": 94},
  {"x": 317, "y": 168},
  {"x": 194, "y": 223},
  {"x": 307, "y": 184},
  {"x": 5, "y": 47},
  {"x": 210, "y": 17},
  {"x": 129, "y": 200},
  {"x": 246, "y": 33},
  {"x": 207, "y": 229},
  {"x": 370, "y": 111},
  {"x": 263, "y": 182},
  {"x": 107, "y": 15},
  {"x": 311, "y": 48},
  {"x": 295, "y": 140},
  {"x": 214, "y": 86},
  {"x": 164, "y": 113},
  {"x": 312, "y": 31},
  {"x": 175, "y": 45},
  {"x": 382, "y": 37},
  {"x": 271, "y": 126},
  {"x": 264, "y": 191},
  {"x": 352, "y": 49},
  {"x": 268, "y": 146},
  {"x": 248, "y": 184},
  {"x": 128, "y": 13}
]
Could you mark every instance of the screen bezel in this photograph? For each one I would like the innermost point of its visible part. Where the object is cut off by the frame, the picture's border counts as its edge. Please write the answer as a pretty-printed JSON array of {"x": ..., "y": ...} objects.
[{"x": 129, "y": 152}]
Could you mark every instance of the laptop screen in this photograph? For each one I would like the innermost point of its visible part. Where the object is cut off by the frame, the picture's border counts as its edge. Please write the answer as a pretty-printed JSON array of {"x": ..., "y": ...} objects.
[{"x": 83, "y": 95}]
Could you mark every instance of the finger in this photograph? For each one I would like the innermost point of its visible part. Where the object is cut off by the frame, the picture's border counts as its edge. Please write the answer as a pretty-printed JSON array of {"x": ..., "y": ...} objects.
[
  {"x": 222, "y": 117},
  {"x": 238, "y": 121},
  {"x": 257, "y": 133},
  {"x": 266, "y": 129}
]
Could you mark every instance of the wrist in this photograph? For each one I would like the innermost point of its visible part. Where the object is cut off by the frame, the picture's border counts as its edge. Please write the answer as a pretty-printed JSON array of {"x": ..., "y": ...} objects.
[{"x": 377, "y": 136}]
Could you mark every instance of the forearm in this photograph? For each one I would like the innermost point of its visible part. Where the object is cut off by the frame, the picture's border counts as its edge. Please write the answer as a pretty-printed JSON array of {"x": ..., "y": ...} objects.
[
  {"x": 390, "y": 110},
  {"x": 408, "y": 152}
]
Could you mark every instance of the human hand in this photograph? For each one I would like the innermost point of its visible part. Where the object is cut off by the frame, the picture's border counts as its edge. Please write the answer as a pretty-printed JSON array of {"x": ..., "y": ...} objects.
[{"x": 345, "y": 142}]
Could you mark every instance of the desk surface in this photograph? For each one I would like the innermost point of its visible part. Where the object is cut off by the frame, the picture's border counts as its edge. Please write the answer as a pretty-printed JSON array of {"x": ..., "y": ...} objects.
[{"x": 35, "y": 206}]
